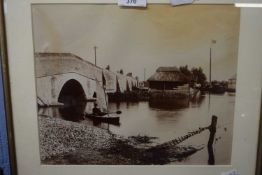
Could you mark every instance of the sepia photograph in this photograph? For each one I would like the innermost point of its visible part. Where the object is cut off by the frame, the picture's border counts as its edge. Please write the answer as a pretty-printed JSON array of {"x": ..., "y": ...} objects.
[{"x": 135, "y": 86}]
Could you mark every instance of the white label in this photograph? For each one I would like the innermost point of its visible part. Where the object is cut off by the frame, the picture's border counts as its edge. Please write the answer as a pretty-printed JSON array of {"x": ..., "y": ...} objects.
[
  {"x": 181, "y": 2},
  {"x": 132, "y": 3},
  {"x": 232, "y": 172}
]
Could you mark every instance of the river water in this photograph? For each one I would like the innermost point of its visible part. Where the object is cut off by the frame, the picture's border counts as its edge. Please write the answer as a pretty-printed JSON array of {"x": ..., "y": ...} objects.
[{"x": 168, "y": 121}]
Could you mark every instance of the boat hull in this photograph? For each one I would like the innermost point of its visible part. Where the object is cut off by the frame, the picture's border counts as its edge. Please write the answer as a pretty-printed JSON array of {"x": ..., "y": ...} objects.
[{"x": 104, "y": 119}]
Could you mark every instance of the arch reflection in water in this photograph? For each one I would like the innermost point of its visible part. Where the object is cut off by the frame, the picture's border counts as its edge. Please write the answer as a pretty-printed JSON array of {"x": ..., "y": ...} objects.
[
  {"x": 70, "y": 113},
  {"x": 73, "y": 113}
]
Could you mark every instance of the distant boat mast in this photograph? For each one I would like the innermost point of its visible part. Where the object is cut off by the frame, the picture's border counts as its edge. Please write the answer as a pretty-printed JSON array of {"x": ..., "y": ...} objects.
[
  {"x": 144, "y": 74},
  {"x": 210, "y": 60}
]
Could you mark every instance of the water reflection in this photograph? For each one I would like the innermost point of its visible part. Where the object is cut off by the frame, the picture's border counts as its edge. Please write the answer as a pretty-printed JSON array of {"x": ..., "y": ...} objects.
[
  {"x": 169, "y": 104},
  {"x": 196, "y": 101},
  {"x": 73, "y": 113},
  {"x": 168, "y": 120}
]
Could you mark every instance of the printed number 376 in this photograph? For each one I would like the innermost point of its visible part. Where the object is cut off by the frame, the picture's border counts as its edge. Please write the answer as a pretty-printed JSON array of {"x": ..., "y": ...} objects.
[{"x": 131, "y": 1}]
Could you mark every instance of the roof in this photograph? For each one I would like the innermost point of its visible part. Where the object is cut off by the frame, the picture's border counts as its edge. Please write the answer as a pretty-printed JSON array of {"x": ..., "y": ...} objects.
[{"x": 168, "y": 74}]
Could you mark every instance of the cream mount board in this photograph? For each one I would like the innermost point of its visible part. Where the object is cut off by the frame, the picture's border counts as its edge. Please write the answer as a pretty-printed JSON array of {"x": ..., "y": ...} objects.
[{"x": 23, "y": 93}]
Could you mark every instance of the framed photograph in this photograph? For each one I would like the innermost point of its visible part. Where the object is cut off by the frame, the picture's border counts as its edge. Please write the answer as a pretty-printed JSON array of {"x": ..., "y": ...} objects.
[{"x": 102, "y": 89}]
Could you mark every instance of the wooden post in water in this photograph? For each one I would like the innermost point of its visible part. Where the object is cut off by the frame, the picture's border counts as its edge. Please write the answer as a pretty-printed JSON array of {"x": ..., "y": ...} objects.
[{"x": 212, "y": 130}]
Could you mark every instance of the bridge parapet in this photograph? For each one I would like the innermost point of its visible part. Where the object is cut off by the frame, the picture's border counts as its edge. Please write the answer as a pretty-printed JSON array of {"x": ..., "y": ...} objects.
[
  {"x": 48, "y": 64},
  {"x": 54, "y": 70}
]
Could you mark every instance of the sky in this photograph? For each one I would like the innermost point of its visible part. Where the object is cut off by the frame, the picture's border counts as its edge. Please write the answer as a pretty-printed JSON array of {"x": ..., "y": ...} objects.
[{"x": 142, "y": 39}]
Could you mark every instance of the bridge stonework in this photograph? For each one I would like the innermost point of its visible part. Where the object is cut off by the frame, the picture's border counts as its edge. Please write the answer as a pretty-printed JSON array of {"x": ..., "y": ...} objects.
[{"x": 54, "y": 70}]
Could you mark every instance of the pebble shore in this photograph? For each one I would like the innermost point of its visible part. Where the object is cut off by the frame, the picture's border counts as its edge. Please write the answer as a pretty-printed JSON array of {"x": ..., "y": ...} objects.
[
  {"x": 66, "y": 142},
  {"x": 58, "y": 137}
]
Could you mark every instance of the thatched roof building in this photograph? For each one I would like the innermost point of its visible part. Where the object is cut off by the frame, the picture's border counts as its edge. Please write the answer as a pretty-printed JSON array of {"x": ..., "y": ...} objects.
[
  {"x": 167, "y": 78},
  {"x": 168, "y": 74}
]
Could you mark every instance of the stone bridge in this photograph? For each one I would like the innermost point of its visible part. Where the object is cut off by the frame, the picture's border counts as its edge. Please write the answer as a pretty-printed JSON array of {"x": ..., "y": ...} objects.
[{"x": 64, "y": 78}]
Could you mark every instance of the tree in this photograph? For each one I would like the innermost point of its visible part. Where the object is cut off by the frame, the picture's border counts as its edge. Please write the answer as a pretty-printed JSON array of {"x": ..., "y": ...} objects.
[
  {"x": 198, "y": 75},
  {"x": 129, "y": 74},
  {"x": 108, "y": 67},
  {"x": 201, "y": 76},
  {"x": 186, "y": 72},
  {"x": 121, "y": 71}
]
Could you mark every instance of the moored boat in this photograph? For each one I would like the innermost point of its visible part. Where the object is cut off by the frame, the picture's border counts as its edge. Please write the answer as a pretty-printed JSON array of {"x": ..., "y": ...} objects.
[
  {"x": 108, "y": 118},
  {"x": 217, "y": 89}
]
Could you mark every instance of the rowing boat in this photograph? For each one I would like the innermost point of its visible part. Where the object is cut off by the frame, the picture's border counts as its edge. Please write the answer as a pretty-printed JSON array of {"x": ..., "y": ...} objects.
[{"x": 105, "y": 118}]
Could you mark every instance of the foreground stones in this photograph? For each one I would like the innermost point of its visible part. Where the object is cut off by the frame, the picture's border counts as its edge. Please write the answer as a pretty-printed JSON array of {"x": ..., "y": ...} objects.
[
  {"x": 58, "y": 136},
  {"x": 66, "y": 142}
]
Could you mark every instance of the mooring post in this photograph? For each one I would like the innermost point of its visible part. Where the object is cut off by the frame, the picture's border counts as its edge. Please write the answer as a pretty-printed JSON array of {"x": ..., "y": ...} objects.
[{"x": 212, "y": 130}]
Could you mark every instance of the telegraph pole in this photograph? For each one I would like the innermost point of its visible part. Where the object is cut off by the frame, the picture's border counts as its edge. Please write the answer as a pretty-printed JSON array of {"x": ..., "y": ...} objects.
[
  {"x": 144, "y": 74},
  {"x": 95, "y": 47},
  {"x": 210, "y": 71},
  {"x": 210, "y": 64}
]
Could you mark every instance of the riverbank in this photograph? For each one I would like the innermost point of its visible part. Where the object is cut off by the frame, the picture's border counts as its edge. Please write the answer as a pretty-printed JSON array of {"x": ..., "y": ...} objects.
[
  {"x": 59, "y": 137},
  {"x": 66, "y": 142}
]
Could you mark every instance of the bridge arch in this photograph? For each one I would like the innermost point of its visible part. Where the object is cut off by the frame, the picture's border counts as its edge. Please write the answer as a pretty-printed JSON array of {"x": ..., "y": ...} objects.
[{"x": 72, "y": 93}]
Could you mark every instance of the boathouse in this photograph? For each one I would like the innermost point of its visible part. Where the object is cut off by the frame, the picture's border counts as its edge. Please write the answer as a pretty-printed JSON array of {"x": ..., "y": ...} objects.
[
  {"x": 168, "y": 82},
  {"x": 167, "y": 78}
]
